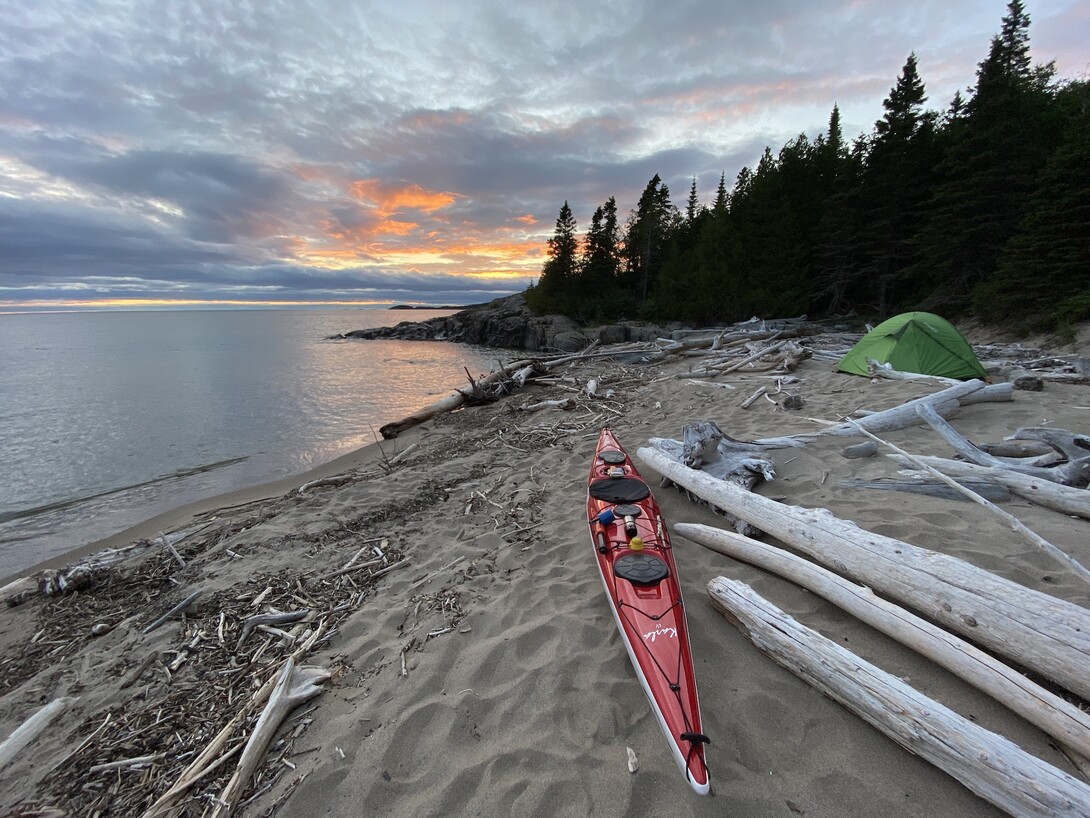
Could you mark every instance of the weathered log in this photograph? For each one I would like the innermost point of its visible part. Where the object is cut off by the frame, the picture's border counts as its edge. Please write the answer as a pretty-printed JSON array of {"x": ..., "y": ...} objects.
[
  {"x": 877, "y": 369},
  {"x": 564, "y": 404},
  {"x": 945, "y": 403},
  {"x": 1073, "y": 473},
  {"x": 706, "y": 446},
  {"x": 1071, "y": 445},
  {"x": 1039, "y": 631},
  {"x": 1016, "y": 525},
  {"x": 935, "y": 488},
  {"x": 1063, "y": 721},
  {"x": 29, "y": 729},
  {"x": 1065, "y": 499},
  {"x": 992, "y": 393},
  {"x": 455, "y": 400},
  {"x": 988, "y": 764},
  {"x": 867, "y": 448},
  {"x": 294, "y": 686}
]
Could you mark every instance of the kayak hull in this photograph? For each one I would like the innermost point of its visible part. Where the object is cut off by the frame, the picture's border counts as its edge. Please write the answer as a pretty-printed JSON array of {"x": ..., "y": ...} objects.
[{"x": 636, "y": 565}]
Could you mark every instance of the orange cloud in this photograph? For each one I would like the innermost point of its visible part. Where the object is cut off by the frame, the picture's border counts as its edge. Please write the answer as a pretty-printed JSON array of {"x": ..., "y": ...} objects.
[
  {"x": 527, "y": 219},
  {"x": 390, "y": 198}
]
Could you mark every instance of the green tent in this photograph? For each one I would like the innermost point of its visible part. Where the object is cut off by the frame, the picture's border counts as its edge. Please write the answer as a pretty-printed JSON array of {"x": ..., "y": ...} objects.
[{"x": 915, "y": 342}]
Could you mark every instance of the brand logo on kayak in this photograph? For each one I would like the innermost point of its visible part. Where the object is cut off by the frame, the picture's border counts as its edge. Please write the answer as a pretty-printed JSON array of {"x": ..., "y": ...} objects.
[{"x": 651, "y": 636}]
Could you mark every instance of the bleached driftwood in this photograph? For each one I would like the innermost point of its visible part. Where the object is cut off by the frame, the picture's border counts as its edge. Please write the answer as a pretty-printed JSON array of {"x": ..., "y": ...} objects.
[
  {"x": 1065, "y": 499},
  {"x": 992, "y": 393},
  {"x": 705, "y": 446},
  {"x": 591, "y": 389},
  {"x": 563, "y": 404},
  {"x": 29, "y": 729},
  {"x": 988, "y": 764},
  {"x": 1012, "y": 522},
  {"x": 294, "y": 686},
  {"x": 1039, "y": 631},
  {"x": 935, "y": 488},
  {"x": 877, "y": 369},
  {"x": 1071, "y": 445},
  {"x": 268, "y": 619},
  {"x": 945, "y": 403},
  {"x": 181, "y": 606},
  {"x": 454, "y": 400},
  {"x": 1063, "y": 721},
  {"x": 748, "y": 402},
  {"x": 1072, "y": 473}
]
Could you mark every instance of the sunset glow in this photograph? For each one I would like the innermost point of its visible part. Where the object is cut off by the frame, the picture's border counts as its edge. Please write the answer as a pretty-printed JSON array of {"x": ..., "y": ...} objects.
[{"x": 142, "y": 165}]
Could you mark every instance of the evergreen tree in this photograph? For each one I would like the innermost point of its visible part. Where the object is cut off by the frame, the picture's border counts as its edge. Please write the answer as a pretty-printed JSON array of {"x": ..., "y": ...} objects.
[
  {"x": 1043, "y": 279},
  {"x": 649, "y": 230},
  {"x": 896, "y": 186},
  {"x": 556, "y": 289},
  {"x": 989, "y": 170},
  {"x": 691, "y": 206}
]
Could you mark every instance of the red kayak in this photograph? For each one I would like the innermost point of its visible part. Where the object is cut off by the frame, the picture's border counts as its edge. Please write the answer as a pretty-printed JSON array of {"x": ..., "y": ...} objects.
[{"x": 637, "y": 565}]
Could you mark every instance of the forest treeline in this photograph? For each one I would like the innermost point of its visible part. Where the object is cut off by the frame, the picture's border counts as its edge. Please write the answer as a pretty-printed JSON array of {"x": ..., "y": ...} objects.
[{"x": 982, "y": 209}]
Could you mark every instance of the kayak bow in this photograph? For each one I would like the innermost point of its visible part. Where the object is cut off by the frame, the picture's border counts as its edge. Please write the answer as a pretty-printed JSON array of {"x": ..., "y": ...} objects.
[{"x": 633, "y": 551}]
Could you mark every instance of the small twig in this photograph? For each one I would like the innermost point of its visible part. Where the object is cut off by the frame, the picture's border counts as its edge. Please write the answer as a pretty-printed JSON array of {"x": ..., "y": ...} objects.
[{"x": 181, "y": 606}]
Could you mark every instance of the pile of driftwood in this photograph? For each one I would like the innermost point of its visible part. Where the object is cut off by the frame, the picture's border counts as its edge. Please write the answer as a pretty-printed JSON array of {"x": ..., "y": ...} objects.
[
  {"x": 1044, "y": 634},
  {"x": 725, "y": 351},
  {"x": 190, "y": 731}
]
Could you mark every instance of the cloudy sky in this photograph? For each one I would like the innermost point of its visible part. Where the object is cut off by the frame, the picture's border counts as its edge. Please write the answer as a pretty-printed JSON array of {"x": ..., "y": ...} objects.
[{"x": 407, "y": 151}]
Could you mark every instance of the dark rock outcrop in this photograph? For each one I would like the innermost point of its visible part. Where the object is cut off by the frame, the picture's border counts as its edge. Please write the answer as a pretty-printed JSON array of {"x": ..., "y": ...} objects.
[{"x": 508, "y": 323}]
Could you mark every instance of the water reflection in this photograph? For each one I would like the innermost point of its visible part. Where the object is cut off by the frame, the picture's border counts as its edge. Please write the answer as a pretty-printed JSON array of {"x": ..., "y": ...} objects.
[{"x": 112, "y": 418}]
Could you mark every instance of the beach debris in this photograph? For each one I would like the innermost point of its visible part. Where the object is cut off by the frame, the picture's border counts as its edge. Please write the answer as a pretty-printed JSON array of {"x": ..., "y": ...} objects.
[
  {"x": 1062, "y": 720},
  {"x": 31, "y": 728},
  {"x": 264, "y": 620},
  {"x": 707, "y": 447},
  {"x": 49, "y": 583},
  {"x": 934, "y": 488},
  {"x": 1076, "y": 448},
  {"x": 1011, "y": 521},
  {"x": 1039, "y": 631},
  {"x": 868, "y": 448},
  {"x": 748, "y": 402},
  {"x": 1064, "y": 499},
  {"x": 181, "y": 606},
  {"x": 633, "y": 760},
  {"x": 564, "y": 404},
  {"x": 988, "y": 764},
  {"x": 101, "y": 628},
  {"x": 294, "y": 685}
]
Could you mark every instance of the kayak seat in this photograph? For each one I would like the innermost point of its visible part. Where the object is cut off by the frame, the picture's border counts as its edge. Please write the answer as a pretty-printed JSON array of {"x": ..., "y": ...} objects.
[
  {"x": 619, "y": 490},
  {"x": 641, "y": 569}
]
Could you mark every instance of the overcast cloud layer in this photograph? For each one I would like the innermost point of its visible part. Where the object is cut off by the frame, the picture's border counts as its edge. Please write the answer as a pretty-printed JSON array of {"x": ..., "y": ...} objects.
[{"x": 413, "y": 151}]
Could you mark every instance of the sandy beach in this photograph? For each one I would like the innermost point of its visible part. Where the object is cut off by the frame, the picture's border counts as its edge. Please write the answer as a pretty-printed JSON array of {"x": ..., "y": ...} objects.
[{"x": 483, "y": 674}]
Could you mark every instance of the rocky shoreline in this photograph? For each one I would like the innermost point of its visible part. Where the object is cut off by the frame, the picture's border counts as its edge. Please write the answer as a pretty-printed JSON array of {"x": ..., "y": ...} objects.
[{"x": 508, "y": 323}]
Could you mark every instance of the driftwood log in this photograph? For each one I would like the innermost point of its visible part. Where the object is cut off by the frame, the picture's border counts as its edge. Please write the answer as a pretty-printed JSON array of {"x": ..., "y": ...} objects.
[
  {"x": 1042, "y": 632},
  {"x": 988, "y": 764},
  {"x": 31, "y": 728},
  {"x": 1073, "y": 473},
  {"x": 1063, "y": 721},
  {"x": 294, "y": 686},
  {"x": 1043, "y": 492},
  {"x": 707, "y": 447}
]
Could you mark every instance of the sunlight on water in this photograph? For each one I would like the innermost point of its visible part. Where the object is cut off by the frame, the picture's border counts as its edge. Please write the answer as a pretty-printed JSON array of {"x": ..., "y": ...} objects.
[{"x": 109, "y": 418}]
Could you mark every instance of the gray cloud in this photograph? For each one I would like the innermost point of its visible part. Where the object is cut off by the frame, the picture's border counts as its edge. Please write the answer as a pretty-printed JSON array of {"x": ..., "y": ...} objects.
[{"x": 194, "y": 146}]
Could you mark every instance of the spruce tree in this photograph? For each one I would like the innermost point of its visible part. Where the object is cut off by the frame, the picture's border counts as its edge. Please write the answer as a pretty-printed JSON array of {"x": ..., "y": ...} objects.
[
  {"x": 990, "y": 168},
  {"x": 557, "y": 288}
]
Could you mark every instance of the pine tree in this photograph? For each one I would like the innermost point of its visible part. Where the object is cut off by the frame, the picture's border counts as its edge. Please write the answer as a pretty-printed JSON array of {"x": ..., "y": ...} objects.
[
  {"x": 556, "y": 290},
  {"x": 649, "y": 229},
  {"x": 990, "y": 168},
  {"x": 1043, "y": 278}
]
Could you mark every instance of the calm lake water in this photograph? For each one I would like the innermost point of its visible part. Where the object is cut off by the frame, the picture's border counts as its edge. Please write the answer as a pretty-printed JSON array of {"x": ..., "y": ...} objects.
[{"x": 108, "y": 418}]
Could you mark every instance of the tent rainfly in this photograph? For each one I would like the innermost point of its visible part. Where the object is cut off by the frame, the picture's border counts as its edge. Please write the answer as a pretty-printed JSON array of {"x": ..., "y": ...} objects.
[{"x": 915, "y": 342}]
